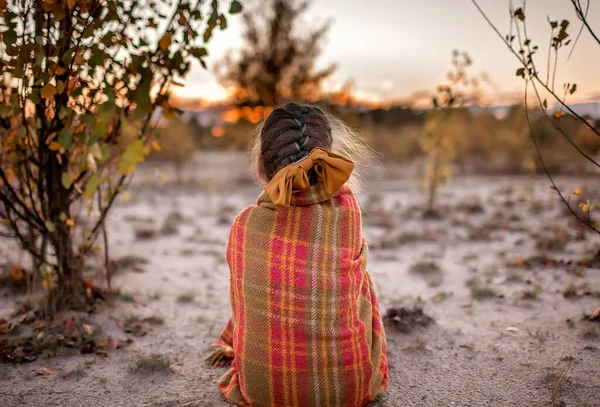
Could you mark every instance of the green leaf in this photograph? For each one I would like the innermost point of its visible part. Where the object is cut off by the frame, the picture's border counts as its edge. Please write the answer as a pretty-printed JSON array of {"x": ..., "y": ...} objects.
[
  {"x": 68, "y": 56},
  {"x": 98, "y": 58},
  {"x": 62, "y": 217},
  {"x": 65, "y": 139},
  {"x": 134, "y": 153},
  {"x": 91, "y": 187},
  {"x": 99, "y": 129},
  {"x": 105, "y": 151},
  {"x": 235, "y": 7},
  {"x": 35, "y": 98},
  {"x": 63, "y": 112},
  {"x": 66, "y": 180},
  {"x": 50, "y": 226}
]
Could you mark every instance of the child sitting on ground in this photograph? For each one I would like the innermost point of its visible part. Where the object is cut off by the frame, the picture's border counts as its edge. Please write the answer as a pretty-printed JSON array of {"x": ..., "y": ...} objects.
[{"x": 306, "y": 328}]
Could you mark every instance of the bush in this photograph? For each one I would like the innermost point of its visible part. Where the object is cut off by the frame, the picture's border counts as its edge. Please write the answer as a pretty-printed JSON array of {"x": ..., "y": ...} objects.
[{"x": 77, "y": 122}]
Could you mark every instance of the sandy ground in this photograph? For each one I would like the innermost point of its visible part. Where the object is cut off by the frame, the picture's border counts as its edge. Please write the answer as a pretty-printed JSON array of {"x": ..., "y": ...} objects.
[{"x": 471, "y": 270}]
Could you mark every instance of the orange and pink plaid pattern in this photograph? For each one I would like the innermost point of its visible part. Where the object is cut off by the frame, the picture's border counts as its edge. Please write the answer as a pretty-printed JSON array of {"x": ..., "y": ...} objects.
[{"x": 306, "y": 328}]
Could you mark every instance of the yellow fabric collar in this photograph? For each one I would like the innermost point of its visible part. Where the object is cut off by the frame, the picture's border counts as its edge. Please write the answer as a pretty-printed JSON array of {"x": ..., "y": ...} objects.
[{"x": 332, "y": 171}]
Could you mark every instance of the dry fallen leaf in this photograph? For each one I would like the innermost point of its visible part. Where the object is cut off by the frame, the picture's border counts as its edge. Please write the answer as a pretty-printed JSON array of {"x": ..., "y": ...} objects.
[
  {"x": 109, "y": 343},
  {"x": 38, "y": 324},
  {"x": 595, "y": 315},
  {"x": 45, "y": 371},
  {"x": 69, "y": 328},
  {"x": 512, "y": 329},
  {"x": 16, "y": 272},
  {"x": 6, "y": 327},
  {"x": 87, "y": 329}
]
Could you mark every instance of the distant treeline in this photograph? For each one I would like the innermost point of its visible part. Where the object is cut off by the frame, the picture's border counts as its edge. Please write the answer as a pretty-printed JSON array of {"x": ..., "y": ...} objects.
[{"x": 481, "y": 142}]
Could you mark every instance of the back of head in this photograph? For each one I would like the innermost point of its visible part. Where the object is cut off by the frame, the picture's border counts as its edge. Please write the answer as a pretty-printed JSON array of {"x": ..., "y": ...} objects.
[
  {"x": 294, "y": 130},
  {"x": 290, "y": 133}
]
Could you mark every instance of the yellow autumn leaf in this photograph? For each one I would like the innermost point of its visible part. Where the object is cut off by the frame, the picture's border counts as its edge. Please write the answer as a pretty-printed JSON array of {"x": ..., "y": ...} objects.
[
  {"x": 577, "y": 191},
  {"x": 96, "y": 152},
  {"x": 71, "y": 4},
  {"x": 55, "y": 146},
  {"x": 60, "y": 70},
  {"x": 164, "y": 177},
  {"x": 559, "y": 113},
  {"x": 156, "y": 146},
  {"x": 70, "y": 222},
  {"x": 125, "y": 168},
  {"x": 587, "y": 206},
  {"x": 48, "y": 91},
  {"x": 125, "y": 197},
  {"x": 168, "y": 111},
  {"x": 164, "y": 42},
  {"x": 45, "y": 284}
]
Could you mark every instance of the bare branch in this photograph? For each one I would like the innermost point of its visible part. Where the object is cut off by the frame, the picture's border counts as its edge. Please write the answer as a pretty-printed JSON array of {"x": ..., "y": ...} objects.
[
  {"x": 541, "y": 159},
  {"x": 535, "y": 76},
  {"x": 583, "y": 17}
]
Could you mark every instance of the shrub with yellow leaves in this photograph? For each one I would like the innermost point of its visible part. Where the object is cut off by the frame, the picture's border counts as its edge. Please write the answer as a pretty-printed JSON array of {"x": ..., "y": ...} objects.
[{"x": 77, "y": 122}]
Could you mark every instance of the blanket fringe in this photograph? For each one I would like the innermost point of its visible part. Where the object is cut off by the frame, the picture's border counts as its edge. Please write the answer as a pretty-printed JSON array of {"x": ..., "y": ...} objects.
[{"x": 221, "y": 356}]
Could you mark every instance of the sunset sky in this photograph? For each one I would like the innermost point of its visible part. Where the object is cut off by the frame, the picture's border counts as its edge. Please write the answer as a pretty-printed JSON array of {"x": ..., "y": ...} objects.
[{"x": 393, "y": 49}]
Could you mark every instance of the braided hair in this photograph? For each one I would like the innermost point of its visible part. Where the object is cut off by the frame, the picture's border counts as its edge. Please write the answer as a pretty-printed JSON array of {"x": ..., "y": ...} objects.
[{"x": 289, "y": 134}]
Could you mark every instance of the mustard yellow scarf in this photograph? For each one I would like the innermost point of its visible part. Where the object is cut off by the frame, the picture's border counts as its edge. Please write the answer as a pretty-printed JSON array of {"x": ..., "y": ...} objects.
[{"x": 332, "y": 171}]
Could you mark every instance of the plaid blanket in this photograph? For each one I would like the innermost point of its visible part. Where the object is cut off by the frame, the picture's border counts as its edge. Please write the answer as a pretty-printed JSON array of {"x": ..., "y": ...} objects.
[{"x": 306, "y": 328}]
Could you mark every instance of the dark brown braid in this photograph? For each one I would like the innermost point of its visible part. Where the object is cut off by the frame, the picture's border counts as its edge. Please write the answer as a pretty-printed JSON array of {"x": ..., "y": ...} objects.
[{"x": 289, "y": 134}]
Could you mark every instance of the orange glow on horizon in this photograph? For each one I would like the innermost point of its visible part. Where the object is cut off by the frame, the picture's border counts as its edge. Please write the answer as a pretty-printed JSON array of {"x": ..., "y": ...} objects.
[{"x": 217, "y": 131}]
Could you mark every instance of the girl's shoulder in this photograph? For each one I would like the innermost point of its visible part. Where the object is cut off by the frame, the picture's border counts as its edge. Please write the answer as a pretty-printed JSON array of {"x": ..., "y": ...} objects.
[
  {"x": 242, "y": 217},
  {"x": 347, "y": 199}
]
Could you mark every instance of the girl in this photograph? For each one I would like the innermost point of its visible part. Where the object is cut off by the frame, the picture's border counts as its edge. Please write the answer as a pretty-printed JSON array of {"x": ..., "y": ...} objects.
[{"x": 306, "y": 328}]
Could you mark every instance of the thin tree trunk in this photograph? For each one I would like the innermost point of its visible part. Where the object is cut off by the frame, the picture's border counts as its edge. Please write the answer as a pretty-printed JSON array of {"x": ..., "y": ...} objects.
[{"x": 107, "y": 269}]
